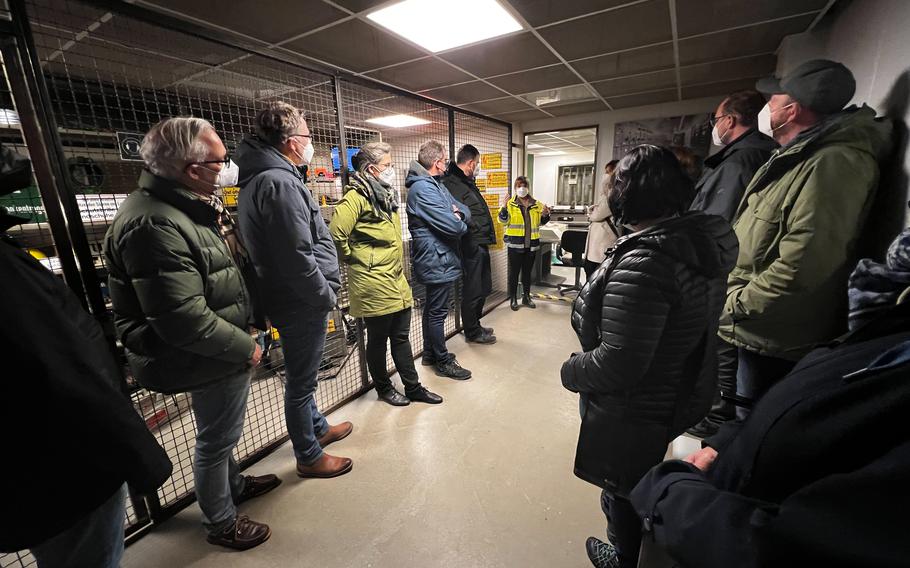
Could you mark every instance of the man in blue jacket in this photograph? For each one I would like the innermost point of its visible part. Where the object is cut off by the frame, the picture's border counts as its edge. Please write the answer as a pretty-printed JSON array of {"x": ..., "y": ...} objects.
[
  {"x": 297, "y": 271},
  {"x": 436, "y": 221}
]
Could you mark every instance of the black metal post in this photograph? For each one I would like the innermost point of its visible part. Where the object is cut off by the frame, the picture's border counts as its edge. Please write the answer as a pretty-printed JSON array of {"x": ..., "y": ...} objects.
[
  {"x": 451, "y": 135},
  {"x": 31, "y": 65}
]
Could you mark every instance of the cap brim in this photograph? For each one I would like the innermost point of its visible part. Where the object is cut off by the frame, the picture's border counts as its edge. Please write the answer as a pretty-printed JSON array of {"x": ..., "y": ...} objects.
[{"x": 769, "y": 86}]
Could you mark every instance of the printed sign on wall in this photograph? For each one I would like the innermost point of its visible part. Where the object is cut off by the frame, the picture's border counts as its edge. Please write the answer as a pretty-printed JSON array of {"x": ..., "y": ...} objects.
[{"x": 491, "y": 161}]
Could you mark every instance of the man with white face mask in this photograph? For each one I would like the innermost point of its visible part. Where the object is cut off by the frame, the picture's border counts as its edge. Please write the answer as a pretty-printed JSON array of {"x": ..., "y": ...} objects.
[
  {"x": 799, "y": 222},
  {"x": 297, "y": 271},
  {"x": 719, "y": 190},
  {"x": 182, "y": 310}
]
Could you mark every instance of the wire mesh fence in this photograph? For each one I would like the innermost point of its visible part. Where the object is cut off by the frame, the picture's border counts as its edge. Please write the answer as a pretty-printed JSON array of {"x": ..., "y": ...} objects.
[{"x": 110, "y": 77}]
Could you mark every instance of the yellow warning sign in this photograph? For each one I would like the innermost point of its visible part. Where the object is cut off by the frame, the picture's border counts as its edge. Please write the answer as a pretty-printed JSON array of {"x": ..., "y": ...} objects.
[
  {"x": 491, "y": 161},
  {"x": 230, "y": 196},
  {"x": 499, "y": 234},
  {"x": 481, "y": 183},
  {"x": 331, "y": 326},
  {"x": 492, "y": 200},
  {"x": 498, "y": 179}
]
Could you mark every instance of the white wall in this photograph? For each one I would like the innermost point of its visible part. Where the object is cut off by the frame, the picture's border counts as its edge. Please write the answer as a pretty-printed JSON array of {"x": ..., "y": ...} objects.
[
  {"x": 546, "y": 169},
  {"x": 870, "y": 37},
  {"x": 605, "y": 122}
]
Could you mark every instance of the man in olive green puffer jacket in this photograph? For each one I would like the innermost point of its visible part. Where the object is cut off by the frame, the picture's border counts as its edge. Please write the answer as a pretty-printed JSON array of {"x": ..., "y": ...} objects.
[
  {"x": 182, "y": 311},
  {"x": 799, "y": 222}
]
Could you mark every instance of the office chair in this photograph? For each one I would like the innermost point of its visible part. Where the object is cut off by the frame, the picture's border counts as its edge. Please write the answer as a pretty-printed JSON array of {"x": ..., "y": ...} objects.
[{"x": 573, "y": 243}]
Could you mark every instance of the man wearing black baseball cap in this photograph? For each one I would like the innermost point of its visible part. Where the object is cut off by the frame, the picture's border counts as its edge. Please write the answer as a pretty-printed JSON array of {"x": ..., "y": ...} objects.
[{"x": 799, "y": 221}]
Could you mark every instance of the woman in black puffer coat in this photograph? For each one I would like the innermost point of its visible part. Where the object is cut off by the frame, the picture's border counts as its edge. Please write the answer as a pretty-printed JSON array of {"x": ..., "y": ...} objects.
[{"x": 647, "y": 322}]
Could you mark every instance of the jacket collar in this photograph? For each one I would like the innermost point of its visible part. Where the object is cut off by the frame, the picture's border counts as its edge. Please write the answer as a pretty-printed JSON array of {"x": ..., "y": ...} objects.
[
  {"x": 514, "y": 202},
  {"x": 172, "y": 193},
  {"x": 454, "y": 170},
  {"x": 751, "y": 137}
]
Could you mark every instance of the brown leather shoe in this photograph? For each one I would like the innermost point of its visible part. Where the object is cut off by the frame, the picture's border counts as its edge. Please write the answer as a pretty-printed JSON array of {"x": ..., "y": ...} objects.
[
  {"x": 335, "y": 433},
  {"x": 325, "y": 467},
  {"x": 242, "y": 535},
  {"x": 254, "y": 486}
]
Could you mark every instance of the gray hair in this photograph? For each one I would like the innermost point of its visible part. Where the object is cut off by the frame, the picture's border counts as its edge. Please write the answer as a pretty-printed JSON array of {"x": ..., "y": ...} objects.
[
  {"x": 172, "y": 143},
  {"x": 430, "y": 152},
  {"x": 277, "y": 122},
  {"x": 372, "y": 153}
]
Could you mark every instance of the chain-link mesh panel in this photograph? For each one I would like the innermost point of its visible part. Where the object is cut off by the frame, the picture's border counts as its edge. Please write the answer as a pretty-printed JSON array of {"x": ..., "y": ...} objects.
[
  {"x": 494, "y": 142},
  {"x": 362, "y": 106}
]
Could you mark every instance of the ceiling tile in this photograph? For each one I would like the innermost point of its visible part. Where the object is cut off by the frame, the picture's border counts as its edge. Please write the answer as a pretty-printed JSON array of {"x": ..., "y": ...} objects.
[
  {"x": 643, "y": 99},
  {"x": 503, "y": 55},
  {"x": 641, "y": 24},
  {"x": 497, "y": 106},
  {"x": 757, "y": 66},
  {"x": 747, "y": 41},
  {"x": 465, "y": 93},
  {"x": 702, "y": 16},
  {"x": 720, "y": 89},
  {"x": 530, "y": 114},
  {"x": 360, "y": 5},
  {"x": 628, "y": 85},
  {"x": 626, "y": 63},
  {"x": 540, "y": 12},
  {"x": 257, "y": 17},
  {"x": 421, "y": 75},
  {"x": 536, "y": 80},
  {"x": 577, "y": 108},
  {"x": 373, "y": 48}
]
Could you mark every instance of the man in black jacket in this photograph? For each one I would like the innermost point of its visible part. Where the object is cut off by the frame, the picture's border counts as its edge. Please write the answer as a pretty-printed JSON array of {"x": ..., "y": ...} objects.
[
  {"x": 72, "y": 439},
  {"x": 727, "y": 173},
  {"x": 477, "y": 276},
  {"x": 297, "y": 268},
  {"x": 817, "y": 475}
]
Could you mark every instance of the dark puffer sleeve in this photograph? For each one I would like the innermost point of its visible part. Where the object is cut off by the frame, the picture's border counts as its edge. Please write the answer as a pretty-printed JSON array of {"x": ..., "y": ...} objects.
[{"x": 636, "y": 302}]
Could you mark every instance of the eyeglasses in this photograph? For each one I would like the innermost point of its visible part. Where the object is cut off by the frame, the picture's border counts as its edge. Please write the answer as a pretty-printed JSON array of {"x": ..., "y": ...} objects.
[
  {"x": 301, "y": 135},
  {"x": 714, "y": 119},
  {"x": 223, "y": 162}
]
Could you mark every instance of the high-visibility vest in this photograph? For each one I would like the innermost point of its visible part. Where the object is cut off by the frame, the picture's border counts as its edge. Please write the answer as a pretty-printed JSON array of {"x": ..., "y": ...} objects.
[{"x": 514, "y": 234}]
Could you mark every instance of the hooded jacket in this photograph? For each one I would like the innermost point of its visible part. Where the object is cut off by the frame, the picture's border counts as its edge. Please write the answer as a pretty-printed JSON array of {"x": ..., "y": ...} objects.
[
  {"x": 728, "y": 173},
  {"x": 181, "y": 307},
  {"x": 798, "y": 226},
  {"x": 647, "y": 322},
  {"x": 434, "y": 226},
  {"x": 283, "y": 230},
  {"x": 368, "y": 239},
  {"x": 464, "y": 190}
]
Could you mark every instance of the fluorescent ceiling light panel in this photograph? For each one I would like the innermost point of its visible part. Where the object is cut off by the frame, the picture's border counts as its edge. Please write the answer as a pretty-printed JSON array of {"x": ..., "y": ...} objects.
[
  {"x": 418, "y": 22},
  {"x": 398, "y": 121},
  {"x": 530, "y": 146},
  {"x": 551, "y": 153}
]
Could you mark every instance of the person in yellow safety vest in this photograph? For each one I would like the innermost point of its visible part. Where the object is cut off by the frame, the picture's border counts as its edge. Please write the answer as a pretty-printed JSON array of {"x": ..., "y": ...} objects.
[{"x": 523, "y": 215}]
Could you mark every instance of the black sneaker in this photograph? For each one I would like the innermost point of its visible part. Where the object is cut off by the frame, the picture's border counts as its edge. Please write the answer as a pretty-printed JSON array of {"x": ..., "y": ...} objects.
[
  {"x": 393, "y": 397},
  {"x": 243, "y": 534},
  {"x": 254, "y": 486},
  {"x": 421, "y": 394},
  {"x": 427, "y": 361},
  {"x": 601, "y": 554},
  {"x": 488, "y": 330},
  {"x": 484, "y": 338},
  {"x": 453, "y": 370}
]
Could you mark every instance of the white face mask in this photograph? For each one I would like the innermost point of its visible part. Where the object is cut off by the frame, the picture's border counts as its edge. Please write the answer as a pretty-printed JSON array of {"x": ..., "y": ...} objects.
[
  {"x": 522, "y": 192},
  {"x": 764, "y": 120},
  {"x": 228, "y": 176},
  {"x": 387, "y": 176},
  {"x": 716, "y": 137},
  {"x": 476, "y": 171}
]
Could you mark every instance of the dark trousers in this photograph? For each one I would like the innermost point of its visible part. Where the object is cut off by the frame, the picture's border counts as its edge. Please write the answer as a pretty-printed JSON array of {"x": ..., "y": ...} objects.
[
  {"x": 476, "y": 286},
  {"x": 756, "y": 374},
  {"x": 396, "y": 328},
  {"x": 434, "y": 322},
  {"x": 623, "y": 527},
  {"x": 590, "y": 267},
  {"x": 520, "y": 261},
  {"x": 727, "y": 359}
]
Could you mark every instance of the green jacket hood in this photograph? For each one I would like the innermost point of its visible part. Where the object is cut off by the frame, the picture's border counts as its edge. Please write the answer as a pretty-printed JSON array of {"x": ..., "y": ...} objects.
[{"x": 854, "y": 127}]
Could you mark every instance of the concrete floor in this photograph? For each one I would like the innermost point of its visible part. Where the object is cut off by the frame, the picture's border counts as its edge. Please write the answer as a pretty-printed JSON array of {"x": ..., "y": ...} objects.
[{"x": 483, "y": 480}]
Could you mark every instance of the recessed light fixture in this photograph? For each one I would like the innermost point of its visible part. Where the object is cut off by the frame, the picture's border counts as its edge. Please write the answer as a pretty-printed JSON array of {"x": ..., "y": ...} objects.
[
  {"x": 417, "y": 21},
  {"x": 532, "y": 146},
  {"x": 398, "y": 121},
  {"x": 551, "y": 153}
]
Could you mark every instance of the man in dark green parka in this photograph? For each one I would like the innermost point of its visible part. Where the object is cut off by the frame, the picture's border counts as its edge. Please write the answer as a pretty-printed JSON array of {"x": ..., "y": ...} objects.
[
  {"x": 799, "y": 222},
  {"x": 182, "y": 311}
]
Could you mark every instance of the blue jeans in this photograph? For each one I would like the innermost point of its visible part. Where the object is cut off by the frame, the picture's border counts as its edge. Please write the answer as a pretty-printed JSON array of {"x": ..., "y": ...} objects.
[
  {"x": 756, "y": 374},
  {"x": 434, "y": 322},
  {"x": 96, "y": 540},
  {"x": 219, "y": 409},
  {"x": 303, "y": 341}
]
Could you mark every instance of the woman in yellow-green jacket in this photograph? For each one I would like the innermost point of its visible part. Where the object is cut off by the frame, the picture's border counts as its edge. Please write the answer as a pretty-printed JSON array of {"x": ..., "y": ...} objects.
[{"x": 366, "y": 228}]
